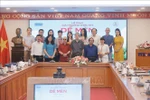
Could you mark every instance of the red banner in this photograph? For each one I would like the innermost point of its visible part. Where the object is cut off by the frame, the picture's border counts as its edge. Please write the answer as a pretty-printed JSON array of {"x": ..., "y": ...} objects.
[{"x": 77, "y": 15}]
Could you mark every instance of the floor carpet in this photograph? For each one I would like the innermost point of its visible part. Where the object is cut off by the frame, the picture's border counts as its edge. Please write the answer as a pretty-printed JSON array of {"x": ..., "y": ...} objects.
[{"x": 102, "y": 94}]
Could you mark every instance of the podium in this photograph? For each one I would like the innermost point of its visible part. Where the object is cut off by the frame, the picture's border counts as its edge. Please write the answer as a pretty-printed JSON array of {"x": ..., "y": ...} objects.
[
  {"x": 71, "y": 88},
  {"x": 17, "y": 54},
  {"x": 143, "y": 57}
]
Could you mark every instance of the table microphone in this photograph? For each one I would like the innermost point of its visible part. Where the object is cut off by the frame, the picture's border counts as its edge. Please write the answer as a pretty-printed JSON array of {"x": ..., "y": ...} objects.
[
  {"x": 139, "y": 83},
  {"x": 148, "y": 89},
  {"x": 18, "y": 67},
  {"x": 59, "y": 73}
]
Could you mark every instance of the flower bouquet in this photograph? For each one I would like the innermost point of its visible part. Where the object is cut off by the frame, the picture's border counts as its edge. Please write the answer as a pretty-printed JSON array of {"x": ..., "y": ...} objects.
[
  {"x": 79, "y": 60},
  {"x": 145, "y": 45}
]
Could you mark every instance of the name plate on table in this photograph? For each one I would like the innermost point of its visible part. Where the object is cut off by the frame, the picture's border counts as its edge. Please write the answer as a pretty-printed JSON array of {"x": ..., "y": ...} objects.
[
  {"x": 134, "y": 79},
  {"x": 144, "y": 54},
  {"x": 143, "y": 74}
]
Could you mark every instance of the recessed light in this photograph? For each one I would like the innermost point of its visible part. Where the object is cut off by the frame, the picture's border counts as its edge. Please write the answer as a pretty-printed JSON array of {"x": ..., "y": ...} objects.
[
  {"x": 52, "y": 8},
  {"x": 138, "y": 10},
  {"x": 143, "y": 8},
  {"x": 15, "y": 11},
  {"x": 7, "y": 8}
]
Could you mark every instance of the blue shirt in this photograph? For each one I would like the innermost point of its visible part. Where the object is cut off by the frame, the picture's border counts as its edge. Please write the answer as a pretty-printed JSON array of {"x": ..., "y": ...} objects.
[
  {"x": 90, "y": 51},
  {"x": 49, "y": 48},
  {"x": 109, "y": 39}
]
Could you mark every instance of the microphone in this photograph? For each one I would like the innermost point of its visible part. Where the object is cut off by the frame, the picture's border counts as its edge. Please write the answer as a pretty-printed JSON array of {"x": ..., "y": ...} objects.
[
  {"x": 18, "y": 67},
  {"x": 59, "y": 73},
  {"x": 139, "y": 84},
  {"x": 148, "y": 89}
]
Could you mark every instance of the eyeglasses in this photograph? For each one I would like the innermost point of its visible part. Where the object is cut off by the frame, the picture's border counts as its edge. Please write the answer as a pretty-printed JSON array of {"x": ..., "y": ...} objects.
[{"x": 64, "y": 39}]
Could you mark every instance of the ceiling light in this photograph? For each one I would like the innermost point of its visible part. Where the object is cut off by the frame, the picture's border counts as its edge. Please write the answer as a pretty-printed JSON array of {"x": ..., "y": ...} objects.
[
  {"x": 73, "y": 3},
  {"x": 15, "y": 11},
  {"x": 7, "y": 8},
  {"x": 52, "y": 8},
  {"x": 142, "y": 8},
  {"x": 138, "y": 10},
  {"x": 97, "y": 10}
]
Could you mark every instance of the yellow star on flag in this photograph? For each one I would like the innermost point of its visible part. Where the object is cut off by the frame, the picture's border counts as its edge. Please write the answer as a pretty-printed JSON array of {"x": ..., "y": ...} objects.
[{"x": 3, "y": 44}]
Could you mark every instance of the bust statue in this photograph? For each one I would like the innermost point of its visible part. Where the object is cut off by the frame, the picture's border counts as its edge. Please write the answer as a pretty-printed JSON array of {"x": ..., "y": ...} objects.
[{"x": 18, "y": 40}]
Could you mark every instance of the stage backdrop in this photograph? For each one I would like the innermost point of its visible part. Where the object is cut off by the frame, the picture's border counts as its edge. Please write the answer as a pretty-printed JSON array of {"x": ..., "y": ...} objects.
[{"x": 77, "y": 25}]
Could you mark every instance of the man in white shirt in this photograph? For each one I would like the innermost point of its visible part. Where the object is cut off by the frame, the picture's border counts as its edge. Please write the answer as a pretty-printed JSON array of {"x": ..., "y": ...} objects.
[
  {"x": 41, "y": 32},
  {"x": 103, "y": 51},
  {"x": 27, "y": 42},
  {"x": 95, "y": 36},
  {"x": 37, "y": 49}
]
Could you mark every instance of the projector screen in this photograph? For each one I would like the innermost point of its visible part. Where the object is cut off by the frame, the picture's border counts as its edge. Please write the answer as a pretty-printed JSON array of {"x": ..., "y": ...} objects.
[
  {"x": 77, "y": 25},
  {"x": 58, "y": 92}
]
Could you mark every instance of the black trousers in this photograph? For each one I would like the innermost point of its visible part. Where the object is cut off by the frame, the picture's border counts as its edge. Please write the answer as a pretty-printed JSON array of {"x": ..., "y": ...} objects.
[
  {"x": 92, "y": 59},
  {"x": 38, "y": 58},
  {"x": 57, "y": 56},
  {"x": 48, "y": 59},
  {"x": 76, "y": 54}
]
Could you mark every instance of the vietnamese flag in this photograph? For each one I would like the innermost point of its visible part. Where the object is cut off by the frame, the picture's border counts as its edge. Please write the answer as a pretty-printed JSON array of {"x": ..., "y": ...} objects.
[{"x": 4, "y": 46}]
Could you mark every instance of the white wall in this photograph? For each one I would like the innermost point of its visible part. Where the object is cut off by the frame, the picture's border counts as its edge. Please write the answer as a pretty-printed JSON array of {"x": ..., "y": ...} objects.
[
  {"x": 11, "y": 26},
  {"x": 138, "y": 32}
]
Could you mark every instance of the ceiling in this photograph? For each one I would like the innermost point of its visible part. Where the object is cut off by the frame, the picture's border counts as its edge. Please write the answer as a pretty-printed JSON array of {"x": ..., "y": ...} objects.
[
  {"x": 74, "y": 6},
  {"x": 74, "y": 9}
]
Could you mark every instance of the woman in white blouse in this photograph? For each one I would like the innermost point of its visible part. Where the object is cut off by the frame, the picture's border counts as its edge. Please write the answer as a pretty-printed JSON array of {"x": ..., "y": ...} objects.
[
  {"x": 83, "y": 36},
  {"x": 103, "y": 51}
]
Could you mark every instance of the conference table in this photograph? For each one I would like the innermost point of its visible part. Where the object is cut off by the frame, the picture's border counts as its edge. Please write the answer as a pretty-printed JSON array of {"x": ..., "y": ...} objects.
[{"x": 14, "y": 85}]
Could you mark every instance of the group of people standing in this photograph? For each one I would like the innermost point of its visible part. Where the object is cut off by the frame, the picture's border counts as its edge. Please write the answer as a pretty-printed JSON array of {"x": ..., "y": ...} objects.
[{"x": 64, "y": 48}]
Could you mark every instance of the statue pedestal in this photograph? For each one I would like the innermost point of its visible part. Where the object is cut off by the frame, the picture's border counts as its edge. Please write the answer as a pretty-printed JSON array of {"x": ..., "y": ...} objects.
[{"x": 17, "y": 54}]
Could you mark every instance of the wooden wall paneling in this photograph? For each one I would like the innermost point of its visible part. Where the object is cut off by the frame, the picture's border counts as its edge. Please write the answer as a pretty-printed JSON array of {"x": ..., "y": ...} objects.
[
  {"x": 38, "y": 71},
  {"x": 114, "y": 85},
  {"x": 14, "y": 89},
  {"x": 97, "y": 76},
  {"x": 108, "y": 74},
  {"x": 24, "y": 89},
  {"x": 74, "y": 72},
  {"x": 19, "y": 87},
  {"x": 3, "y": 92},
  {"x": 8, "y": 92},
  {"x": 143, "y": 57},
  {"x": 48, "y": 72}
]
